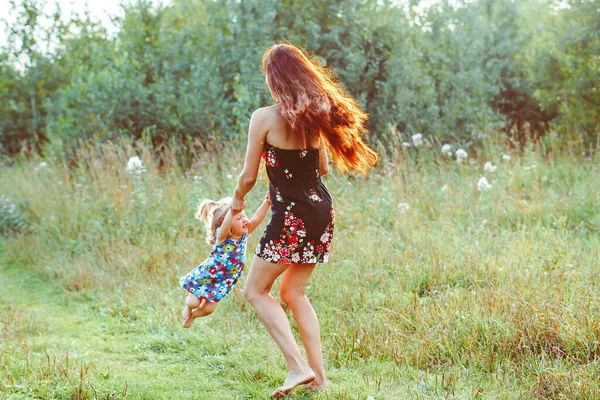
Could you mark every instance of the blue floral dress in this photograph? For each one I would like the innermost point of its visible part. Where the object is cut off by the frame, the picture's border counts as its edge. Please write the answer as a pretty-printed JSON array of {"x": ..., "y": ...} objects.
[{"x": 214, "y": 278}]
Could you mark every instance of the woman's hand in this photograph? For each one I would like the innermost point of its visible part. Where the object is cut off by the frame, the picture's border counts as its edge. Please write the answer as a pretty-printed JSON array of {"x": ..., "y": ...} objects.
[
  {"x": 237, "y": 205},
  {"x": 268, "y": 198}
]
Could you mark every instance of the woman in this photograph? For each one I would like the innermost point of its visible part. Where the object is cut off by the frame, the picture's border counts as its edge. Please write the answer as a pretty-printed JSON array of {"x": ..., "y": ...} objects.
[{"x": 312, "y": 114}]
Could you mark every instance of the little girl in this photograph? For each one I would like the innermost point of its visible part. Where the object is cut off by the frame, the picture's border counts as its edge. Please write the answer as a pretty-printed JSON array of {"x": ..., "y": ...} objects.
[{"x": 212, "y": 280}]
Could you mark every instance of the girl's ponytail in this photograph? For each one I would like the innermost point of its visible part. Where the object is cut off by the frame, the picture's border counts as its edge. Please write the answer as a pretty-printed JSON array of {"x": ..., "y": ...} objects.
[
  {"x": 212, "y": 213},
  {"x": 205, "y": 211}
]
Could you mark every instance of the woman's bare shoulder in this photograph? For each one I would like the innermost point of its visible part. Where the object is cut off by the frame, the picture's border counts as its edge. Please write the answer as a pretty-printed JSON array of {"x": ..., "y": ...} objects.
[
  {"x": 268, "y": 112},
  {"x": 267, "y": 118}
]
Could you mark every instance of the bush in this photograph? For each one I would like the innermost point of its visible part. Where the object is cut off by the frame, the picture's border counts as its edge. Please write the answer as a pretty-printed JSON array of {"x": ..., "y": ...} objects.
[{"x": 12, "y": 218}]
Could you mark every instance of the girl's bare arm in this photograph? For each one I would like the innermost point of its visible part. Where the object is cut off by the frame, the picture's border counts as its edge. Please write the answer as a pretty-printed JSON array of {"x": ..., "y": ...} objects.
[
  {"x": 225, "y": 227},
  {"x": 259, "y": 215}
]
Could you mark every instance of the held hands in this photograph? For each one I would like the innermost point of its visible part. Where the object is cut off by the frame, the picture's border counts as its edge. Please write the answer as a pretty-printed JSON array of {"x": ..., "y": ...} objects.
[{"x": 237, "y": 205}]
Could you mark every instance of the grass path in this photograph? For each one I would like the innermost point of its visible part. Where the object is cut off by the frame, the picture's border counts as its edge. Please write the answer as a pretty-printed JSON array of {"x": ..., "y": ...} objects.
[
  {"x": 123, "y": 361},
  {"x": 120, "y": 365},
  {"x": 50, "y": 337}
]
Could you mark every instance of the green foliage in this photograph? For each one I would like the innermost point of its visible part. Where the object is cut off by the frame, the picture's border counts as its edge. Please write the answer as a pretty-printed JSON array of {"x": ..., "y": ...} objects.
[
  {"x": 448, "y": 74},
  {"x": 455, "y": 70},
  {"x": 563, "y": 60}
]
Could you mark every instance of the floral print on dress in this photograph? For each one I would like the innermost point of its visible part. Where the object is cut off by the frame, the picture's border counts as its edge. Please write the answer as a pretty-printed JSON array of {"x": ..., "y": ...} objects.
[
  {"x": 301, "y": 227},
  {"x": 278, "y": 196},
  {"x": 291, "y": 247},
  {"x": 314, "y": 196},
  {"x": 269, "y": 157},
  {"x": 214, "y": 278}
]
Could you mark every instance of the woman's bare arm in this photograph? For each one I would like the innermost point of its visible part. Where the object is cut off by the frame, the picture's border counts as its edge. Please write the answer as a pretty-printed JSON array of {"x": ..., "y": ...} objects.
[
  {"x": 323, "y": 158},
  {"x": 256, "y": 138}
]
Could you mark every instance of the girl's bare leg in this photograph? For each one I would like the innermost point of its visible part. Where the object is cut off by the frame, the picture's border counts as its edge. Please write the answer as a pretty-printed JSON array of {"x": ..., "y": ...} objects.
[
  {"x": 258, "y": 285},
  {"x": 292, "y": 291},
  {"x": 191, "y": 302},
  {"x": 203, "y": 309}
]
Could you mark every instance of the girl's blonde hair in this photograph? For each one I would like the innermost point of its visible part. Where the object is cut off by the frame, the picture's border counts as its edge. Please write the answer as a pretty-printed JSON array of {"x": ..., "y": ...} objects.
[{"x": 212, "y": 213}]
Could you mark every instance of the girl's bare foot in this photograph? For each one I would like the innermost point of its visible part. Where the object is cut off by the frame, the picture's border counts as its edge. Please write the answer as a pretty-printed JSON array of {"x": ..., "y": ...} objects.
[
  {"x": 294, "y": 380},
  {"x": 188, "y": 322},
  {"x": 185, "y": 314},
  {"x": 203, "y": 310}
]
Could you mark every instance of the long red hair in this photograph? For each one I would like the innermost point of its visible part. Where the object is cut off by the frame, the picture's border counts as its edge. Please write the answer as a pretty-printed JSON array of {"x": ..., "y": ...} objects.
[{"x": 312, "y": 99}]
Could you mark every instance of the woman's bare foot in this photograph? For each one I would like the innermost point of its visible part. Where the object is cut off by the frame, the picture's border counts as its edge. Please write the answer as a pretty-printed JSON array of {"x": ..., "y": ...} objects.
[
  {"x": 317, "y": 384},
  {"x": 294, "y": 380}
]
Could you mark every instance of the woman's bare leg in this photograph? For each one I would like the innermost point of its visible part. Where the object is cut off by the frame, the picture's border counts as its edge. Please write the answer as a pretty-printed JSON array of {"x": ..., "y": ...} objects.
[
  {"x": 292, "y": 291},
  {"x": 258, "y": 285}
]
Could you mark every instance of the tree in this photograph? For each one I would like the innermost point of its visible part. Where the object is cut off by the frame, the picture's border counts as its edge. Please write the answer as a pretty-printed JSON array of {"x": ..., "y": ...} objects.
[{"x": 563, "y": 64}]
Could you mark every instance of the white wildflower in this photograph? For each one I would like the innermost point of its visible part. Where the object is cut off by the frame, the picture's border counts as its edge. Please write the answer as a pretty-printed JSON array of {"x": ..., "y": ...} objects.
[
  {"x": 197, "y": 177},
  {"x": 403, "y": 207},
  {"x": 461, "y": 155},
  {"x": 6, "y": 205},
  {"x": 483, "y": 184},
  {"x": 135, "y": 166},
  {"x": 229, "y": 176},
  {"x": 506, "y": 158},
  {"x": 445, "y": 188},
  {"x": 417, "y": 139},
  {"x": 532, "y": 166},
  {"x": 447, "y": 150},
  {"x": 489, "y": 167},
  {"x": 41, "y": 166},
  {"x": 405, "y": 144}
]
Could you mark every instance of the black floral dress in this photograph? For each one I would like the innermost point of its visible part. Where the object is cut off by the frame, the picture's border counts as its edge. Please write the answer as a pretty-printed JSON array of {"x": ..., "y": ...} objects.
[{"x": 302, "y": 221}]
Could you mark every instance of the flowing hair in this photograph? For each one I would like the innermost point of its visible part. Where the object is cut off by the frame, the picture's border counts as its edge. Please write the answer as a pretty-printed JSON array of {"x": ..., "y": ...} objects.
[
  {"x": 212, "y": 213},
  {"x": 311, "y": 99}
]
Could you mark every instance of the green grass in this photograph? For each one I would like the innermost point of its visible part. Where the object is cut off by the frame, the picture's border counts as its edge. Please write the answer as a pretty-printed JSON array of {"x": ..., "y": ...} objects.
[{"x": 466, "y": 295}]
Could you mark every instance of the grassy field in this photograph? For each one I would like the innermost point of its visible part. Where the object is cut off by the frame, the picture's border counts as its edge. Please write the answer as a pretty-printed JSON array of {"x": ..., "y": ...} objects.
[{"x": 461, "y": 294}]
